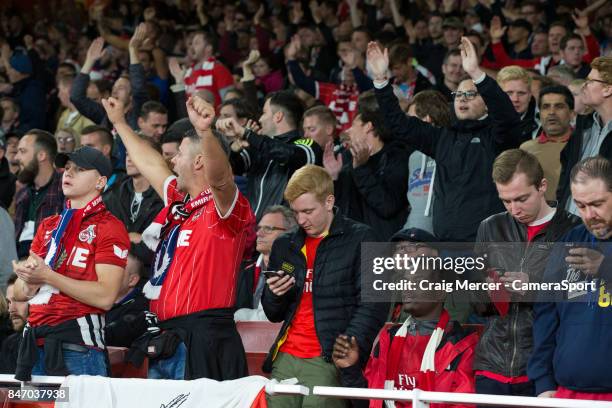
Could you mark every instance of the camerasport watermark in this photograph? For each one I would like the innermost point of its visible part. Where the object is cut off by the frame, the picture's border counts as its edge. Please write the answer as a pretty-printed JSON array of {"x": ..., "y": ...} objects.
[{"x": 486, "y": 272}]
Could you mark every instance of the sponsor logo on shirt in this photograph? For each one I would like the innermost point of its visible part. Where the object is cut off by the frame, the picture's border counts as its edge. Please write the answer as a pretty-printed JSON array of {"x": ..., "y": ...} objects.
[{"x": 405, "y": 382}]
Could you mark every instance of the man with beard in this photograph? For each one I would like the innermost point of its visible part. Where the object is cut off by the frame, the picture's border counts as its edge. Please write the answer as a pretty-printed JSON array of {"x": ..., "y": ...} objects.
[
  {"x": 571, "y": 355},
  {"x": 42, "y": 195},
  {"x": 18, "y": 313}
]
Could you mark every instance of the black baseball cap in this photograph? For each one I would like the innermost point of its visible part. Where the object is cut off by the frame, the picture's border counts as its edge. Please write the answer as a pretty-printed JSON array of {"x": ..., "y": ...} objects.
[
  {"x": 88, "y": 158},
  {"x": 413, "y": 235}
]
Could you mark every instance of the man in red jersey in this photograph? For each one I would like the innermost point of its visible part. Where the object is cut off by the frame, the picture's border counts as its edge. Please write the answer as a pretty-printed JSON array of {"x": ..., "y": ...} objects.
[
  {"x": 72, "y": 276},
  {"x": 199, "y": 240},
  {"x": 207, "y": 73}
]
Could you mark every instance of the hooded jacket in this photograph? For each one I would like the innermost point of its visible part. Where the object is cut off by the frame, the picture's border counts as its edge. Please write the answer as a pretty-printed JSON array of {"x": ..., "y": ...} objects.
[{"x": 464, "y": 153}]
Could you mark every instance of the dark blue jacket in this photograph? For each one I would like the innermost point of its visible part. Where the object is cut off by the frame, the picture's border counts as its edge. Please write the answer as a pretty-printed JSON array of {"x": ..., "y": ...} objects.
[
  {"x": 573, "y": 338},
  {"x": 30, "y": 95}
]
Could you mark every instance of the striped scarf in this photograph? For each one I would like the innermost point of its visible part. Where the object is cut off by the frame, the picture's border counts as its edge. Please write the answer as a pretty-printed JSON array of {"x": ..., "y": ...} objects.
[
  {"x": 62, "y": 241},
  {"x": 167, "y": 226}
]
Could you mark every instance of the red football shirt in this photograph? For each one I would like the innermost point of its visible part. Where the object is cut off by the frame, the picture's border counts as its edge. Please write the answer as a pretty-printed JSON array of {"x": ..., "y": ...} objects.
[
  {"x": 302, "y": 340},
  {"x": 208, "y": 253},
  {"x": 340, "y": 100},
  {"x": 103, "y": 240},
  {"x": 210, "y": 75}
]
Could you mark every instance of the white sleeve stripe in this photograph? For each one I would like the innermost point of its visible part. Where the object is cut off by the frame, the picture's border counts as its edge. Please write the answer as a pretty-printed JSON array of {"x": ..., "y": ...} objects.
[
  {"x": 310, "y": 156},
  {"x": 231, "y": 209},
  {"x": 246, "y": 158},
  {"x": 317, "y": 94},
  {"x": 166, "y": 184}
]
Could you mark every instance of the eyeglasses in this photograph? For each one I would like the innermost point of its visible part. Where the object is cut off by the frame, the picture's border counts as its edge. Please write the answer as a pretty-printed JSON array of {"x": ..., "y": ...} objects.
[
  {"x": 266, "y": 229},
  {"x": 589, "y": 80},
  {"x": 64, "y": 140},
  {"x": 469, "y": 95},
  {"x": 409, "y": 248}
]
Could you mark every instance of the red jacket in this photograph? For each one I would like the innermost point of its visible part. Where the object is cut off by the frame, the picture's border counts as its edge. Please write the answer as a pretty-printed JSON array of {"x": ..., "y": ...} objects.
[
  {"x": 453, "y": 365},
  {"x": 541, "y": 64}
]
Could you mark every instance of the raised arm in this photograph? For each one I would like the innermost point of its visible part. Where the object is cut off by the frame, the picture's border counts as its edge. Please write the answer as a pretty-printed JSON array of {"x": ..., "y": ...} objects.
[
  {"x": 217, "y": 166},
  {"x": 147, "y": 160},
  {"x": 506, "y": 121},
  {"x": 410, "y": 130},
  {"x": 78, "y": 95},
  {"x": 138, "y": 81}
]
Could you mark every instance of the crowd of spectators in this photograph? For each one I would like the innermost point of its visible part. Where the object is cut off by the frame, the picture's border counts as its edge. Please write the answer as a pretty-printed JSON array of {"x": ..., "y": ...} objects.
[{"x": 264, "y": 141}]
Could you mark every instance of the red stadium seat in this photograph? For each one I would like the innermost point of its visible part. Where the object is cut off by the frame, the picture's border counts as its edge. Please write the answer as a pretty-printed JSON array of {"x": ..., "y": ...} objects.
[{"x": 257, "y": 338}]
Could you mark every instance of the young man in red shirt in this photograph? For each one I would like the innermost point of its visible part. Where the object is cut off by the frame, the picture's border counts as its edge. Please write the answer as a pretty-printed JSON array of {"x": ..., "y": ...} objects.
[
  {"x": 199, "y": 239},
  {"x": 316, "y": 289},
  {"x": 72, "y": 275},
  {"x": 528, "y": 224}
]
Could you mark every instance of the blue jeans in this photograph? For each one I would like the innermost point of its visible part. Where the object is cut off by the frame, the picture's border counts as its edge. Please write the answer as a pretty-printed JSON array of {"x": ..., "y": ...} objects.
[
  {"x": 171, "y": 368},
  {"x": 90, "y": 362}
]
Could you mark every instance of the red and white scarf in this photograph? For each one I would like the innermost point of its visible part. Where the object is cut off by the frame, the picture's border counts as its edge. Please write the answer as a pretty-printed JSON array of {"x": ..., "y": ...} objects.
[{"x": 162, "y": 236}]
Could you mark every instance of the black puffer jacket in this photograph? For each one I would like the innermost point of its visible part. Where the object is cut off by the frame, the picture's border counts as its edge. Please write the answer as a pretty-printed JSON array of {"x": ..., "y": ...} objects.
[
  {"x": 336, "y": 288},
  {"x": 464, "y": 154},
  {"x": 506, "y": 343},
  {"x": 269, "y": 163}
]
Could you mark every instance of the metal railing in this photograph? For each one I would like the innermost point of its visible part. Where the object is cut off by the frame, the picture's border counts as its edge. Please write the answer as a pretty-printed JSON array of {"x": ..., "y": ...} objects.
[{"x": 421, "y": 399}]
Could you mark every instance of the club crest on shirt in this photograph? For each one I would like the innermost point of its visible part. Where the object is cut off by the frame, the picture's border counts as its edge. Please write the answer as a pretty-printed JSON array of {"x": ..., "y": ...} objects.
[{"x": 88, "y": 234}]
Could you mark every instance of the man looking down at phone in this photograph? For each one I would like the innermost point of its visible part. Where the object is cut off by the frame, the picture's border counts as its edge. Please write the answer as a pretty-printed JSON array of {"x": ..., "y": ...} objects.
[
  {"x": 199, "y": 240},
  {"x": 317, "y": 293},
  {"x": 571, "y": 353},
  {"x": 501, "y": 357},
  {"x": 72, "y": 276}
]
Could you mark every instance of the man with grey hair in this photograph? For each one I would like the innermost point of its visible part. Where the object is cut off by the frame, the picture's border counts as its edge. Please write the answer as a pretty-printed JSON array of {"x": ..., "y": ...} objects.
[{"x": 275, "y": 221}]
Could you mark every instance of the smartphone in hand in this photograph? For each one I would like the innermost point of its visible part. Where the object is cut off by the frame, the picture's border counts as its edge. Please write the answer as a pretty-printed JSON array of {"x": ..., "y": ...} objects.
[{"x": 271, "y": 274}]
